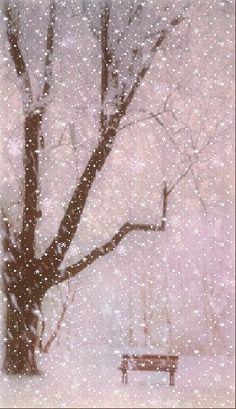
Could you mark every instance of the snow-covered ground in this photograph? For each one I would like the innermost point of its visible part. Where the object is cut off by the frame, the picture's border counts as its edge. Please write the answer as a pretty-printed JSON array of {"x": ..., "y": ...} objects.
[{"x": 90, "y": 379}]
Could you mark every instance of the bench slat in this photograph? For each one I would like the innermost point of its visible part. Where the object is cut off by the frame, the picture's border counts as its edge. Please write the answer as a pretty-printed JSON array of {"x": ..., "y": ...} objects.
[{"x": 149, "y": 362}]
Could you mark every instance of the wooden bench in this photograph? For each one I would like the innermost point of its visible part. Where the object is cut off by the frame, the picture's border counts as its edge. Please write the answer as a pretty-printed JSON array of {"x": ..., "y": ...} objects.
[{"x": 163, "y": 363}]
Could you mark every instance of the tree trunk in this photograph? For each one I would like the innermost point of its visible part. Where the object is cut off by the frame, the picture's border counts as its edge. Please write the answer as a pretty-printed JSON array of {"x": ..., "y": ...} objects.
[
  {"x": 20, "y": 341},
  {"x": 23, "y": 305}
]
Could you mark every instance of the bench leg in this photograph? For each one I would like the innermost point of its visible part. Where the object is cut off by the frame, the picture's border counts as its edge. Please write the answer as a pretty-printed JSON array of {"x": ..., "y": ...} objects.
[
  {"x": 124, "y": 377},
  {"x": 172, "y": 379}
]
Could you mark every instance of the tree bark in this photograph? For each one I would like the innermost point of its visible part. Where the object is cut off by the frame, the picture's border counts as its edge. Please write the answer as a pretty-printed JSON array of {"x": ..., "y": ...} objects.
[
  {"x": 20, "y": 341},
  {"x": 24, "y": 286},
  {"x": 22, "y": 317},
  {"x": 32, "y": 134},
  {"x": 24, "y": 289}
]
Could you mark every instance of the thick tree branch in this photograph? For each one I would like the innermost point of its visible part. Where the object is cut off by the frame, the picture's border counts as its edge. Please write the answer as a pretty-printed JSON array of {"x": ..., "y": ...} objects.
[
  {"x": 49, "y": 50},
  {"x": 57, "y": 249},
  {"x": 13, "y": 30},
  {"x": 105, "y": 62},
  {"x": 108, "y": 128},
  {"x": 109, "y": 72},
  {"x": 32, "y": 124},
  {"x": 31, "y": 128},
  {"x": 54, "y": 254},
  {"x": 108, "y": 247}
]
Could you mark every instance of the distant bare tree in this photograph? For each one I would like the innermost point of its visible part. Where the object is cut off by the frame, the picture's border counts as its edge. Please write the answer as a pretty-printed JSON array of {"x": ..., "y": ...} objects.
[{"x": 65, "y": 302}]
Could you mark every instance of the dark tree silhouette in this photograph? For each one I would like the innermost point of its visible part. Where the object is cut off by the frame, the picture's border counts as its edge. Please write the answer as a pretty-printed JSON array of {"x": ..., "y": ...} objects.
[{"x": 27, "y": 278}]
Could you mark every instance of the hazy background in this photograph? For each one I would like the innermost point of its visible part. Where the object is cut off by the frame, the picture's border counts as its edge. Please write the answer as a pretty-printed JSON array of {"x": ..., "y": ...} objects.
[{"x": 173, "y": 289}]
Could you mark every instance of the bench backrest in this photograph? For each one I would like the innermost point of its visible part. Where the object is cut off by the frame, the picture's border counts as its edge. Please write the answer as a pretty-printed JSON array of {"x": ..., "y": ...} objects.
[{"x": 150, "y": 362}]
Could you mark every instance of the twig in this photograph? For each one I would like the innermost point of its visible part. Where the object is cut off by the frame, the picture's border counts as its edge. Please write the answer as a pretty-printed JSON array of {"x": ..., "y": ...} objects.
[{"x": 198, "y": 191}]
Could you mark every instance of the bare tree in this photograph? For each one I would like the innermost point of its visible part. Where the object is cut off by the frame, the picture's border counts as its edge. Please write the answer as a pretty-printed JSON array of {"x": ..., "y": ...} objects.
[
  {"x": 26, "y": 277},
  {"x": 23, "y": 285}
]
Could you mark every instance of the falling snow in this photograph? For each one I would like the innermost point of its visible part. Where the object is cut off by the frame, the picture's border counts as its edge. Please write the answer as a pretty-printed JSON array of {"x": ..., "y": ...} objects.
[{"x": 116, "y": 193}]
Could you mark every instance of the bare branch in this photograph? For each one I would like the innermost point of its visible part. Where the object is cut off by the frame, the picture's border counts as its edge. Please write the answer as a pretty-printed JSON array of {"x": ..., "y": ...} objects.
[
  {"x": 151, "y": 115},
  {"x": 108, "y": 127},
  {"x": 198, "y": 191},
  {"x": 65, "y": 305},
  {"x": 134, "y": 13},
  {"x": 49, "y": 50},
  {"x": 59, "y": 143},
  {"x": 94, "y": 30},
  {"x": 132, "y": 16},
  {"x": 8, "y": 244},
  {"x": 13, "y": 31},
  {"x": 145, "y": 68},
  {"x": 136, "y": 121},
  {"x": 108, "y": 247},
  {"x": 193, "y": 161},
  {"x": 105, "y": 63},
  {"x": 10, "y": 95},
  {"x": 32, "y": 121},
  {"x": 55, "y": 252},
  {"x": 73, "y": 14},
  {"x": 181, "y": 177}
]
